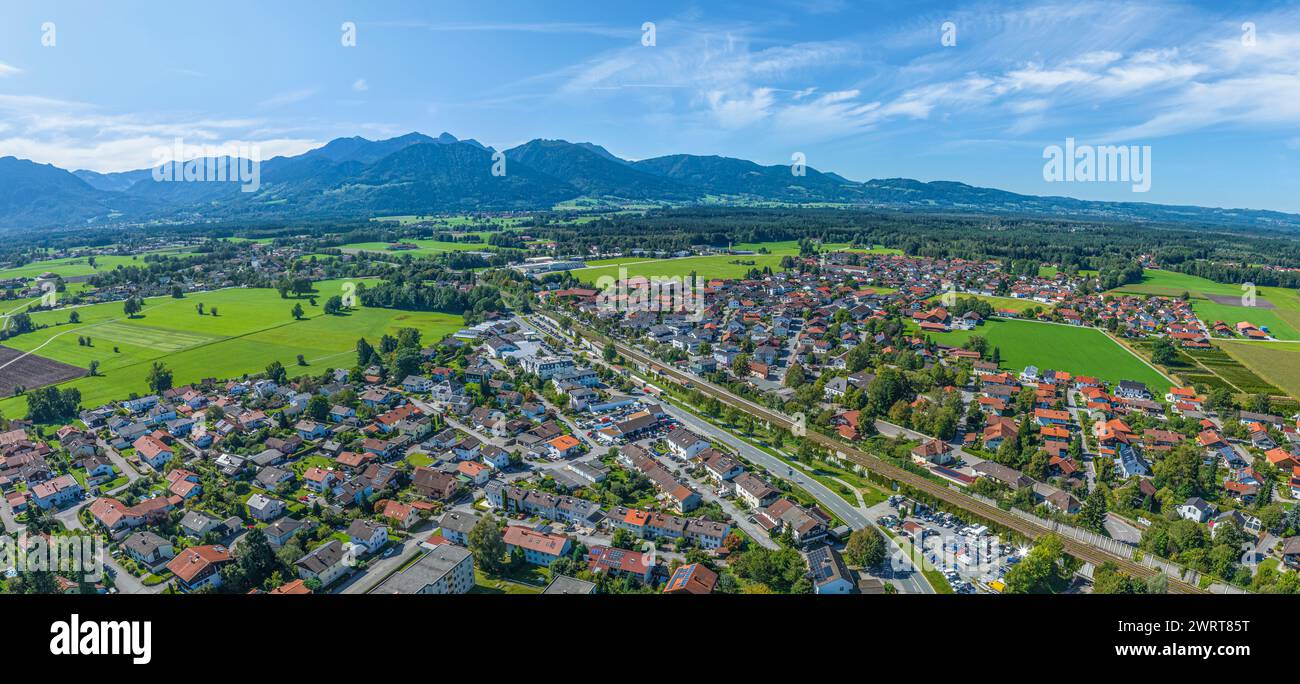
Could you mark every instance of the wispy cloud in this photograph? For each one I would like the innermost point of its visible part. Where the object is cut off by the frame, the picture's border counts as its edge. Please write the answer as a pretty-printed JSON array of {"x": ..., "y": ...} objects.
[
  {"x": 287, "y": 98},
  {"x": 1117, "y": 71},
  {"x": 9, "y": 70},
  {"x": 557, "y": 27}
]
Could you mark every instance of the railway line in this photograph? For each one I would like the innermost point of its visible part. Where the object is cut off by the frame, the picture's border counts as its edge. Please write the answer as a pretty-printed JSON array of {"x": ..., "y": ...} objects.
[{"x": 1030, "y": 530}]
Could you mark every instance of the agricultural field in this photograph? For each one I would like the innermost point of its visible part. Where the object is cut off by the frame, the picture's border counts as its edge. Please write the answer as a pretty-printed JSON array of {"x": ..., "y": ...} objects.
[
  {"x": 26, "y": 370},
  {"x": 253, "y": 328},
  {"x": 1275, "y": 362},
  {"x": 1076, "y": 350},
  {"x": 1276, "y": 308},
  {"x": 1210, "y": 369},
  {"x": 722, "y": 266}
]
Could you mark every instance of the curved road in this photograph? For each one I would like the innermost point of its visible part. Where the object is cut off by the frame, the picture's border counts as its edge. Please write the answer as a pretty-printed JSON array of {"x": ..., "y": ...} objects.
[
  {"x": 912, "y": 582},
  {"x": 1030, "y": 530}
]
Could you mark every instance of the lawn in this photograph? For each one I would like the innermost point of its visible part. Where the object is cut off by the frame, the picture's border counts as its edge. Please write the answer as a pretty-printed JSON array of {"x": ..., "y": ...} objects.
[
  {"x": 1275, "y": 362},
  {"x": 493, "y": 585},
  {"x": 254, "y": 327},
  {"x": 1077, "y": 350},
  {"x": 1283, "y": 320}
]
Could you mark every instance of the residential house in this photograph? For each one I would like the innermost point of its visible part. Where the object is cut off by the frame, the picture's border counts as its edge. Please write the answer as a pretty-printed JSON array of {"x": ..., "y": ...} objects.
[{"x": 199, "y": 567}]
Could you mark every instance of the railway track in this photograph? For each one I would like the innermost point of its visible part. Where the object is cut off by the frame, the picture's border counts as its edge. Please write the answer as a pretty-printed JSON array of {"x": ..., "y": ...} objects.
[{"x": 1030, "y": 530}]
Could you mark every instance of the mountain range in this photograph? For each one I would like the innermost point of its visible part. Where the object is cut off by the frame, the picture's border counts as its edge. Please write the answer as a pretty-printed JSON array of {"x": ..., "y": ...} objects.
[{"x": 418, "y": 174}]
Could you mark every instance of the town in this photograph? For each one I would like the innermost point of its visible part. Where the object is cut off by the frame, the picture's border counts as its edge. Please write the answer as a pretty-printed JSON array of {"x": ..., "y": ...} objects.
[{"x": 520, "y": 455}]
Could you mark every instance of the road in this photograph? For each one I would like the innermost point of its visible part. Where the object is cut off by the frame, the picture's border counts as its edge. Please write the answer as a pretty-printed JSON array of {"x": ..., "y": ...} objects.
[
  {"x": 380, "y": 568},
  {"x": 11, "y": 525},
  {"x": 126, "y": 583},
  {"x": 118, "y": 462},
  {"x": 912, "y": 583},
  {"x": 1081, "y": 550}
]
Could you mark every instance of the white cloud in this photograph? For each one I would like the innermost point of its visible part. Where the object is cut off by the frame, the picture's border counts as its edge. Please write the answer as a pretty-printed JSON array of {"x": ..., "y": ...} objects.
[
  {"x": 360, "y": 85},
  {"x": 739, "y": 112},
  {"x": 77, "y": 135},
  {"x": 8, "y": 70}
]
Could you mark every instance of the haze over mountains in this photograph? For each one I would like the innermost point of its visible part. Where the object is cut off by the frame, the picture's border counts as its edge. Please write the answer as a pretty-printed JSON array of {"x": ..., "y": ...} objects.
[{"x": 417, "y": 174}]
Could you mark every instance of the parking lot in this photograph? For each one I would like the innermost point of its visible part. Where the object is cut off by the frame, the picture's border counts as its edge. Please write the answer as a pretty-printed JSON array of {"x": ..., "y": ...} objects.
[{"x": 971, "y": 558}]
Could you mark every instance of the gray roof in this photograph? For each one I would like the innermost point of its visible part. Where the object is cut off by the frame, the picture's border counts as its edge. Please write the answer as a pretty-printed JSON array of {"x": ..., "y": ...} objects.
[
  {"x": 195, "y": 520},
  {"x": 459, "y": 522},
  {"x": 322, "y": 557},
  {"x": 429, "y": 569},
  {"x": 145, "y": 543},
  {"x": 563, "y": 584},
  {"x": 362, "y": 529}
]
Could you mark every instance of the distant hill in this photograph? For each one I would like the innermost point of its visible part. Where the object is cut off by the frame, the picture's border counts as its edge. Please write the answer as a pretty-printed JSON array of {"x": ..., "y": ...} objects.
[
  {"x": 595, "y": 172},
  {"x": 419, "y": 174}
]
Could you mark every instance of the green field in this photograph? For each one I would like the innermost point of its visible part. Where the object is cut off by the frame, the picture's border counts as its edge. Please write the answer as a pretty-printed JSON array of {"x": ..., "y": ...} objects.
[
  {"x": 253, "y": 328},
  {"x": 1275, "y": 362},
  {"x": 1051, "y": 271},
  {"x": 790, "y": 247},
  {"x": 1011, "y": 303},
  {"x": 1076, "y": 350},
  {"x": 872, "y": 250},
  {"x": 458, "y": 221},
  {"x": 424, "y": 247},
  {"x": 593, "y": 263},
  {"x": 717, "y": 266},
  {"x": 1283, "y": 320},
  {"x": 703, "y": 266},
  {"x": 74, "y": 266}
]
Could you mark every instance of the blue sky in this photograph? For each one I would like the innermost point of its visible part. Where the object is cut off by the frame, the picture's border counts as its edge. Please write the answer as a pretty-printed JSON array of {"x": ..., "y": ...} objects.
[{"x": 865, "y": 89}]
